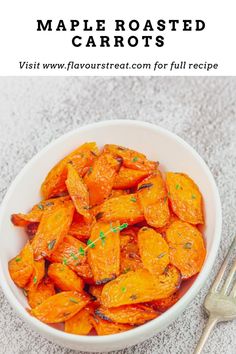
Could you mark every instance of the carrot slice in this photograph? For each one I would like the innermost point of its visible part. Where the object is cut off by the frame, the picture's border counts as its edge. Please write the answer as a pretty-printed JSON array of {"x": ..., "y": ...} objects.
[
  {"x": 118, "y": 192},
  {"x": 104, "y": 251},
  {"x": 71, "y": 252},
  {"x": 64, "y": 278},
  {"x": 103, "y": 327},
  {"x": 21, "y": 267},
  {"x": 163, "y": 305},
  {"x": 187, "y": 249},
  {"x": 129, "y": 178},
  {"x": 125, "y": 209},
  {"x": 80, "y": 323},
  {"x": 100, "y": 178},
  {"x": 185, "y": 197},
  {"x": 130, "y": 259},
  {"x": 154, "y": 250},
  {"x": 80, "y": 158},
  {"x": 43, "y": 291},
  {"x": 96, "y": 291},
  {"x": 60, "y": 307},
  {"x": 152, "y": 195},
  {"x": 53, "y": 226},
  {"x": 131, "y": 158},
  {"x": 173, "y": 217},
  {"x": 35, "y": 215},
  {"x": 81, "y": 228},
  {"x": 31, "y": 229},
  {"x": 140, "y": 286},
  {"x": 131, "y": 314},
  {"x": 37, "y": 275},
  {"x": 78, "y": 191}
]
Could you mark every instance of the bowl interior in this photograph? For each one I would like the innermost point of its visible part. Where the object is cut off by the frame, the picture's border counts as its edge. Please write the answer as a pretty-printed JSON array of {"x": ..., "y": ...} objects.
[{"x": 158, "y": 144}]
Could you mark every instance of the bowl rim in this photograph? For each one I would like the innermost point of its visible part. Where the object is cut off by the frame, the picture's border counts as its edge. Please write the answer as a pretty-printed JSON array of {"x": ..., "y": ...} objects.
[{"x": 165, "y": 318}]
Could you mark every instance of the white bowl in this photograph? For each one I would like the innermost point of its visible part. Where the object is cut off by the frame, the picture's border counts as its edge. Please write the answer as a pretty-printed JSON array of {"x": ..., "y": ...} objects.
[{"x": 158, "y": 144}]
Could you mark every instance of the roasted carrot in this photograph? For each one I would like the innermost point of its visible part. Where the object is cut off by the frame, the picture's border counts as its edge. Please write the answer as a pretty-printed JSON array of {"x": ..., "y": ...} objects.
[
  {"x": 187, "y": 249},
  {"x": 100, "y": 178},
  {"x": 185, "y": 197},
  {"x": 35, "y": 215},
  {"x": 78, "y": 191},
  {"x": 131, "y": 158},
  {"x": 44, "y": 290},
  {"x": 104, "y": 251},
  {"x": 81, "y": 158},
  {"x": 37, "y": 275},
  {"x": 80, "y": 323},
  {"x": 103, "y": 327},
  {"x": 154, "y": 250},
  {"x": 163, "y": 305},
  {"x": 53, "y": 226},
  {"x": 129, "y": 178},
  {"x": 64, "y": 278},
  {"x": 152, "y": 195},
  {"x": 130, "y": 314},
  {"x": 60, "y": 307},
  {"x": 140, "y": 286},
  {"x": 124, "y": 209},
  {"x": 81, "y": 228},
  {"x": 71, "y": 252},
  {"x": 21, "y": 267}
]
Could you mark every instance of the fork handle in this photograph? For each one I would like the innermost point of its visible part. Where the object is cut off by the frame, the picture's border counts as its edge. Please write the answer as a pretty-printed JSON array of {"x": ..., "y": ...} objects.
[{"x": 206, "y": 332}]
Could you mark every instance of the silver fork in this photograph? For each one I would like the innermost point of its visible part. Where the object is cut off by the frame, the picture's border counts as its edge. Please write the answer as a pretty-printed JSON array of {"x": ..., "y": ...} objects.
[{"x": 220, "y": 304}]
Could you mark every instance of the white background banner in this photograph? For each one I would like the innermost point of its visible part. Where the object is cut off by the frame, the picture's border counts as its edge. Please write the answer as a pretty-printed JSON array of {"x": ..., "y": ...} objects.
[{"x": 26, "y": 51}]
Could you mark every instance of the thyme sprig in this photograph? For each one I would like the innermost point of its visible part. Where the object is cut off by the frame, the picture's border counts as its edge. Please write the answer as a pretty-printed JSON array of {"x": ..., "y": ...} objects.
[
  {"x": 92, "y": 244},
  {"x": 103, "y": 235}
]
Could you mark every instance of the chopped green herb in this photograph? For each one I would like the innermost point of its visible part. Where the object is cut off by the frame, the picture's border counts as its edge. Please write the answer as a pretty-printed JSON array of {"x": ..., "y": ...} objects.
[
  {"x": 81, "y": 251},
  {"x": 165, "y": 199},
  {"x": 90, "y": 244},
  {"x": 188, "y": 245},
  {"x": 40, "y": 206},
  {"x": 168, "y": 194},
  {"x": 18, "y": 259},
  {"x": 102, "y": 237},
  {"x": 177, "y": 186},
  {"x": 74, "y": 256},
  {"x": 133, "y": 199},
  {"x": 64, "y": 261},
  {"x": 193, "y": 196},
  {"x": 123, "y": 226},
  {"x": 161, "y": 255},
  {"x": 73, "y": 300},
  {"x": 90, "y": 171},
  {"x": 123, "y": 289},
  {"x": 35, "y": 280},
  {"x": 135, "y": 159},
  {"x": 51, "y": 244}
]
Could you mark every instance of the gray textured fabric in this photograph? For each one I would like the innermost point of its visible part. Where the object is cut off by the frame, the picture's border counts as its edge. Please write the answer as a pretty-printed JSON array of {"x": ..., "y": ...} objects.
[{"x": 34, "y": 111}]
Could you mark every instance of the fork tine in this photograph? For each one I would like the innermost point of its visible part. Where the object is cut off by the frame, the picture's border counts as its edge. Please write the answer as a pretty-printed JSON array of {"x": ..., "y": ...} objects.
[
  {"x": 233, "y": 291},
  {"x": 220, "y": 275},
  {"x": 229, "y": 279}
]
